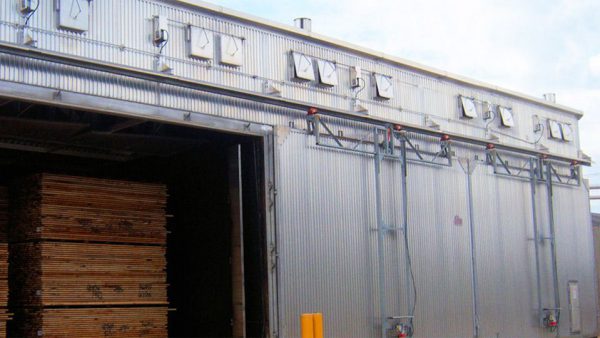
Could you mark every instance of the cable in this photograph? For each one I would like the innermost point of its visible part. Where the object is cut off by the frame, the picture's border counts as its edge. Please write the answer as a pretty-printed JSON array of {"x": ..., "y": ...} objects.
[
  {"x": 164, "y": 43},
  {"x": 520, "y": 139},
  {"x": 361, "y": 88},
  {"x": 412, "y": 277},
  {"x": 492, "y": 120},
  {"x": 541, "y": 134},
  {"x": 33, "y": 10}
]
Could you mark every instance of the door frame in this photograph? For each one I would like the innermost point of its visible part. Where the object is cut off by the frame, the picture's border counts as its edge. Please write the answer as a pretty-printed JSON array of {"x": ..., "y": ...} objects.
[{"x": 73, "y": 100}]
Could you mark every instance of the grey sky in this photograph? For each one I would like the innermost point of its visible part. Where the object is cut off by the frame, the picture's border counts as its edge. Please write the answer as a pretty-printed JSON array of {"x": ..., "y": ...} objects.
[{"x": 532, "y": 46}]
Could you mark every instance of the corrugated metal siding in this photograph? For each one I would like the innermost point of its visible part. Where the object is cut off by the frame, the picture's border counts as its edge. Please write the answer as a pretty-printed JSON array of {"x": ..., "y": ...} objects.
[
  {"x": 120, "y": 32},
  {"x": 325, "y": 208},
  {"x": 325, "y": 220},
  {"x": 440, "y": 249},
  {"x": 328, "y": 246},
  {"x": 505, "y": 255},
  {"x": 575, "y": 251}
]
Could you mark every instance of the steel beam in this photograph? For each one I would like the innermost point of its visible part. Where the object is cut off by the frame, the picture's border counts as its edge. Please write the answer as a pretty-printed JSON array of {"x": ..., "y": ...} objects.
[
  {"x": 468, "y": 168},
  {"x": 380, "y": 234},
  {"x": 555, "y": 281},
  {"x": 536, "y": 239}
]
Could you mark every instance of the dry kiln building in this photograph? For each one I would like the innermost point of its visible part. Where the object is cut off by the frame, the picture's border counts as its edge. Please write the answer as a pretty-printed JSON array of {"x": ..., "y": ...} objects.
[{"x": 393, "y": 198}]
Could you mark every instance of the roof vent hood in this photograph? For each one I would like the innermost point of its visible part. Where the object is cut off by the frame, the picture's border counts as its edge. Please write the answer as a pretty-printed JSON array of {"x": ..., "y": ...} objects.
[
  {"x": 550, "y": 97},
  {"x": 303, "y": 23}
]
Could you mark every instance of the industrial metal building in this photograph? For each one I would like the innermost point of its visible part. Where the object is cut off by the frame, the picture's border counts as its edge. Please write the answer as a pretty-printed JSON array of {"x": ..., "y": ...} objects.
[{"x": 393, "y": 198}]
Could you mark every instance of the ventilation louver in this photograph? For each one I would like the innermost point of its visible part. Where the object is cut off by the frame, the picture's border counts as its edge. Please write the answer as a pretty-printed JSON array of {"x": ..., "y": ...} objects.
[
  {"x": 232, "y": 50},
  {"x": 506, "y": 117},
  {"x": 201, "y": 43},
  {"x": 468, "y": 107},
  {"x": 327, "y": 73},
  {"x": 384, "y": 86},
  {"x": 303, "y": 67}
]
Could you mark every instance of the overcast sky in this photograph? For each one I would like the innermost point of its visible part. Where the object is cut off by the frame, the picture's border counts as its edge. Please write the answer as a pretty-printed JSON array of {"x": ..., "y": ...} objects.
[{"x": 532, "y": 46}]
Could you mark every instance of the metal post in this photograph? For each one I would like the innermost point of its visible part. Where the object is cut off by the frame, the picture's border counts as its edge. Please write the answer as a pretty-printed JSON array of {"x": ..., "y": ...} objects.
[
  {"x": 380, "y": 233},
  {"x": 536, "y": 240},
  {"x": 407, "y": 262},
  {"x": 469, "y": 171},
  {"x": 553, "y": 241}
]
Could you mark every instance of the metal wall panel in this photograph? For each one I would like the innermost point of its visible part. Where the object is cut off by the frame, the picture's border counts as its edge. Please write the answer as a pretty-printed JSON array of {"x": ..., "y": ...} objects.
[
  {"x": 505, "y": 255},
  {"x": 440, "y": 247},
  {"x": 120, "y": 32},
  {"x": 325, "y": 220},
  {"x": 328, "y": 247},
  {"x": 325, "y": 207}
]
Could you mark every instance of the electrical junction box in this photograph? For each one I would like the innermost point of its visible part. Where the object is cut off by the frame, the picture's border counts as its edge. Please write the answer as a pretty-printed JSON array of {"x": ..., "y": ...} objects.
[
  {"x": 574, "y": 307},
  {"x": 160, "y": 26},
  {"x": 356, "y": 77},
  {"x": 73, "y": 15},
  {"x": 27, "y": 6},
  {"x": 488, "y": 111}
]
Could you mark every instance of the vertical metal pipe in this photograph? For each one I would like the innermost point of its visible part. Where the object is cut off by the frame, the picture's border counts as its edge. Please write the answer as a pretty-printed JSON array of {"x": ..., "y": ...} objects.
[
  {"x": 407, "y": 262},
  {"x": 536, "y": 239},
  {"x": 380, "y": 233},
  {"x": 553, "y": 241},
  {"x": 473, "y": 250}
]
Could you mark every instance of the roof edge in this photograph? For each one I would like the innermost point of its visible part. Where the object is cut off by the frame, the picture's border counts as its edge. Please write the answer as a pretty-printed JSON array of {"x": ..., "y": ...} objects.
[{"x": 372, "y": 53}]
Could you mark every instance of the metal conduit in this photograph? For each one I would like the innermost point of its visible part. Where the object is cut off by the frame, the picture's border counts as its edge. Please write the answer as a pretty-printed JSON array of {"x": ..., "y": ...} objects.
[
  {"x": 410, "y": 282},
  {"x": 468, "y": 168},
  {"x": 380, "y": 233},
  {"x": 553, "y": 242},
  {"x": 536, "y": 239}
]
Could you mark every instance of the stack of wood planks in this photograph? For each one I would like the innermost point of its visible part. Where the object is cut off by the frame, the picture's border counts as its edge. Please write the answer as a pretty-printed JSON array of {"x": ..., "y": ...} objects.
[
  {"x": 149, "y": 322},
  {"x": 88, "y": 258},
  {"x": 4, "y": 314}
]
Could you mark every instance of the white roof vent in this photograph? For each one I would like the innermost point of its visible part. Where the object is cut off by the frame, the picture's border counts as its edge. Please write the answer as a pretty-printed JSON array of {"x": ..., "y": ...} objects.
[
  {"x": 303, "y": 23},
  {"x": 550, "y": 97}
]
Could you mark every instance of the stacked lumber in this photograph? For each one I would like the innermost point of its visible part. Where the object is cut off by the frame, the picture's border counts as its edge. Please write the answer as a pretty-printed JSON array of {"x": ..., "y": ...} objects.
[
  {"x": 88, "y": 258},
  {"x": 57, "y": 207},
  {"x": 93, "y": 322},
  {"x": 4, "y": 314},
  {"x": 65, "y": 273}
]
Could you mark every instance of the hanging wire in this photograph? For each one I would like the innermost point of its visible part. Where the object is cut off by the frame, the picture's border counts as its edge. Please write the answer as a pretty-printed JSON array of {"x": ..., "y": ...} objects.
[
  {"x": 360, "y": 87},
  {"x": 33, "y": 10},
  {"x": 412, "y": 277},
  {"x": 164, "y": 43},
  {"x": 541, "y": 134},
  {"x": 492, "y": 120}
]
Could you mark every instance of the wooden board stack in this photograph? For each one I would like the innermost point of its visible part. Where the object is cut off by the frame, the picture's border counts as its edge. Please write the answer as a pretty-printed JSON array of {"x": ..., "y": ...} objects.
[
  {"x": 4, "y": 315},
  {"x": 149, "y": 322},
  {"x": 90, "y": 252}
]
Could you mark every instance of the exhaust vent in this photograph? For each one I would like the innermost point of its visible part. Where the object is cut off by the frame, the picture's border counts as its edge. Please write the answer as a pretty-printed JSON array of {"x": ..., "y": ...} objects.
[
  {"x": 303, "y": 23},
  {"x": 550, "y": 97}
]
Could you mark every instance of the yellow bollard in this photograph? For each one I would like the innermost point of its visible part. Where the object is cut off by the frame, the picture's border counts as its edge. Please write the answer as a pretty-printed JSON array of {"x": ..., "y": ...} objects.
[
  {"x": 318, "y": 325},
  {"x": 307, "y": 325}
]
